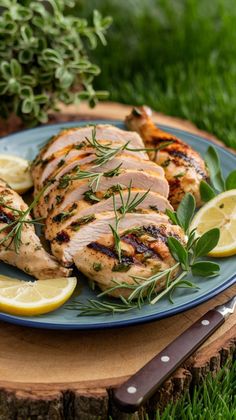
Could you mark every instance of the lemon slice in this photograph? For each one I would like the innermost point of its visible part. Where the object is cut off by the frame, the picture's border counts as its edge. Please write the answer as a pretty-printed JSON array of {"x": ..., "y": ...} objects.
[
  {"x": 219, "y": 212},
  {"x": 15, "y": 171},
  {"x": 26, "y": 298}
]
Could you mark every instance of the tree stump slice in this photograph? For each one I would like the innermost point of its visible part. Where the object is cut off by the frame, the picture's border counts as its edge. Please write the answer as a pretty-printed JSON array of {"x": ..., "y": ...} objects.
[{"x": 57, "y": 375}]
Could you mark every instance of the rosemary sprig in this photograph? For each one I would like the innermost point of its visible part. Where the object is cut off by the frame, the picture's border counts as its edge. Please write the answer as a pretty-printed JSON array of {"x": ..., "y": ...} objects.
[
  {"x": 127, "y": 206},
  {"x": 94, "y": 177},
  {"x": 104, "y": 153},
  {"x": 21, "y": 218},
  {"x": 95, "y": 307}
]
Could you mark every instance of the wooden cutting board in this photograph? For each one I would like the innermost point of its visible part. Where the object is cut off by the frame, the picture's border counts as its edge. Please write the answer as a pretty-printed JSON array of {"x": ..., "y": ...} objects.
[{"x": 69, "y": 375}]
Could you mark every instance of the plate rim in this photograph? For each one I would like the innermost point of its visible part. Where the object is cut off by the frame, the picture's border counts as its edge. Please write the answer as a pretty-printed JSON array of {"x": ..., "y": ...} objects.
[
  {"x": 140, "y": 319},
  {"x": 122, "y": 323}
]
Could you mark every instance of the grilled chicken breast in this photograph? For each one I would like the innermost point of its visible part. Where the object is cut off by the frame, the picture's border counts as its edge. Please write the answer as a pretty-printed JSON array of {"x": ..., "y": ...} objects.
[
  {"x": 123, "y": 161},
  {"x": 184, "y": 168},
  {"x": 78, "y": 235},
  {"x": 83, "y": 209},
  {"x": 31, "y": 257},
  {"x": 79, "y": 189},
  {"x": 80, "y": 213},
  {"x": 72, "y": 143},
  {"x": 144, "y": 253}
]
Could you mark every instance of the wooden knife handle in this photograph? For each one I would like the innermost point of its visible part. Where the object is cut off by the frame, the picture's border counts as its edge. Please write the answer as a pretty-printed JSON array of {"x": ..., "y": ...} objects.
[{"x": 143, "y": 384}]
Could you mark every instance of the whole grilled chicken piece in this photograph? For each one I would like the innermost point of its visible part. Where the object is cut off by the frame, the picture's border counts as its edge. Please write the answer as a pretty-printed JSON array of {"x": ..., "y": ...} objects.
[
  {"x": 144, "y": 253},
  {"x": 31, "y": 256},
  {"x": 184, "y": 168}
]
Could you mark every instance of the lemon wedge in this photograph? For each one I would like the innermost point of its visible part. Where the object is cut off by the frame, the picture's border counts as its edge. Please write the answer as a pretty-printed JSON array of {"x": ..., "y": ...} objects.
[
  {"x": 26, "y": 298},
  {"x": 219, "y": 212},
  {"x": 16, "y": 172}
]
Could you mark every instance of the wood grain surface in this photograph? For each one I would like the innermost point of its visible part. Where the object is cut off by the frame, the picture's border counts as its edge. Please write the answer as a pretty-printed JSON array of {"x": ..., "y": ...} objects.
[{"x": 69, "y": 375}]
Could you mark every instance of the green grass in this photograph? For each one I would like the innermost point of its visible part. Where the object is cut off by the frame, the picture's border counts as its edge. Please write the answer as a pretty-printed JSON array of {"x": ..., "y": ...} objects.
[
  {"x": 214, "y": 400},
  {"x": 178, "y": 56}
]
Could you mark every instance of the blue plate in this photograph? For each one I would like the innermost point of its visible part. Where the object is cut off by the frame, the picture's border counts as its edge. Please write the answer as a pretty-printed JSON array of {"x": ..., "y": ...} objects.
[{"x": 27, "y": 144}]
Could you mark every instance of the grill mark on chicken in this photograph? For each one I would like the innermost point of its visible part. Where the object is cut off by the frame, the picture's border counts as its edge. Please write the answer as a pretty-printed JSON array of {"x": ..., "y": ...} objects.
[
  {"x": 62, "y": 237},
  {"x": 188, "y": 159},
  {"x": 159, "y": 233},
  {"x": 6, "y": 217},
  {"x": 96, "y": 246},
  {"x": 125, "y": 263},
  {"x": 139, "y": 246}
]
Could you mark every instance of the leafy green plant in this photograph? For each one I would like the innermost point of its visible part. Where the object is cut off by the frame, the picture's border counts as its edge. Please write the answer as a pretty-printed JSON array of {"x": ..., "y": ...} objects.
[{"x": 44, "y": 59}]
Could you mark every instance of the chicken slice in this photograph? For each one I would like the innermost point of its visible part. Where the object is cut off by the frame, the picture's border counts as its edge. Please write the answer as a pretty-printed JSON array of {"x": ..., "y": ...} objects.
[
  {"x": 73, "y": 142},
  {"x": 45, "y": 169},
  {"x": 76, "y": 236},
  {"x": 144, "y": 253},
  {"x": 184, "y": 167},
  {"x": 79, "y": 189},
  {"x": 84, "y": 209},
  {"x": 124, "y": 161},
  {"x": 31, "y": 257}
]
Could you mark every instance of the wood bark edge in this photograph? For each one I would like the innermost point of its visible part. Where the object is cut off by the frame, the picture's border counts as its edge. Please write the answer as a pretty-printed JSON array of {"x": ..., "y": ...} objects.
[{"x": 59, "y": 403}]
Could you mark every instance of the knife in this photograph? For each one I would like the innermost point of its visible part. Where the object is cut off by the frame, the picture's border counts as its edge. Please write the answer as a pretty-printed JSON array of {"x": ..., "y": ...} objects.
[{"x": 143, "y": 384}]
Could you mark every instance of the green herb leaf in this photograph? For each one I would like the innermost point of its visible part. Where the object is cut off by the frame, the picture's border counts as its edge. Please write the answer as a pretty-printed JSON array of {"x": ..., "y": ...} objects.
[
  {"x": 172, "y": 216},
  {"x": 206, "y": 191},
  {"x": 213, "y": 163},
  {"x": 230, "y": 182},
  {"x": 121, "y": 267},
  {"x": 207, "y": 242},
  {"x": 97, "y": 266},
  {"x": 91, "y": 197},
  {"x": 186, "y": 210},
  {"x": 205, "y": 269},
  {"x": 178, "y": 251}
]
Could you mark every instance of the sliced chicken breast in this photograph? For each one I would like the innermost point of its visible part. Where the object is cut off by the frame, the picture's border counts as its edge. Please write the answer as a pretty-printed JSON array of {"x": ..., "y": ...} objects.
[
  {"x": 31, "y": 257},
  {"x": 69, "y": 142},
  {"x": 75, "y": 135},
  {"x": 184, "y": 167},
  {"x": 144, "y": 253},
  {"x": 77, "y": 236},
  {"x": 124, "y": 161},
  {"x": 79, "y": 189},
  {"x": 43, "y": 170},
  {"x": 84, "y": 209}
]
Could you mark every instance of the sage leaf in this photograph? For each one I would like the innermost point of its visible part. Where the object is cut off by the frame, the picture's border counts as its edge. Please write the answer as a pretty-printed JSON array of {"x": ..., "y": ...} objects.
[
  {"x": 178, "y": 251},
  {"x": 230, "y": 182},
  {"x": 186, "y": 210},
  {"x": 172, "y": 216},
  {"x": 206, "y": 192},
  {"x": 207, "y": 242},
  {"x": 213, "y": 163},
  {"x": 205, "y": 269}
]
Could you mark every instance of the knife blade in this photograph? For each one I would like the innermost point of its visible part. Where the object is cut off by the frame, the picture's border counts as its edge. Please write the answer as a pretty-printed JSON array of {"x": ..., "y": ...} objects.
[{"x": 143, "y": 384}]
